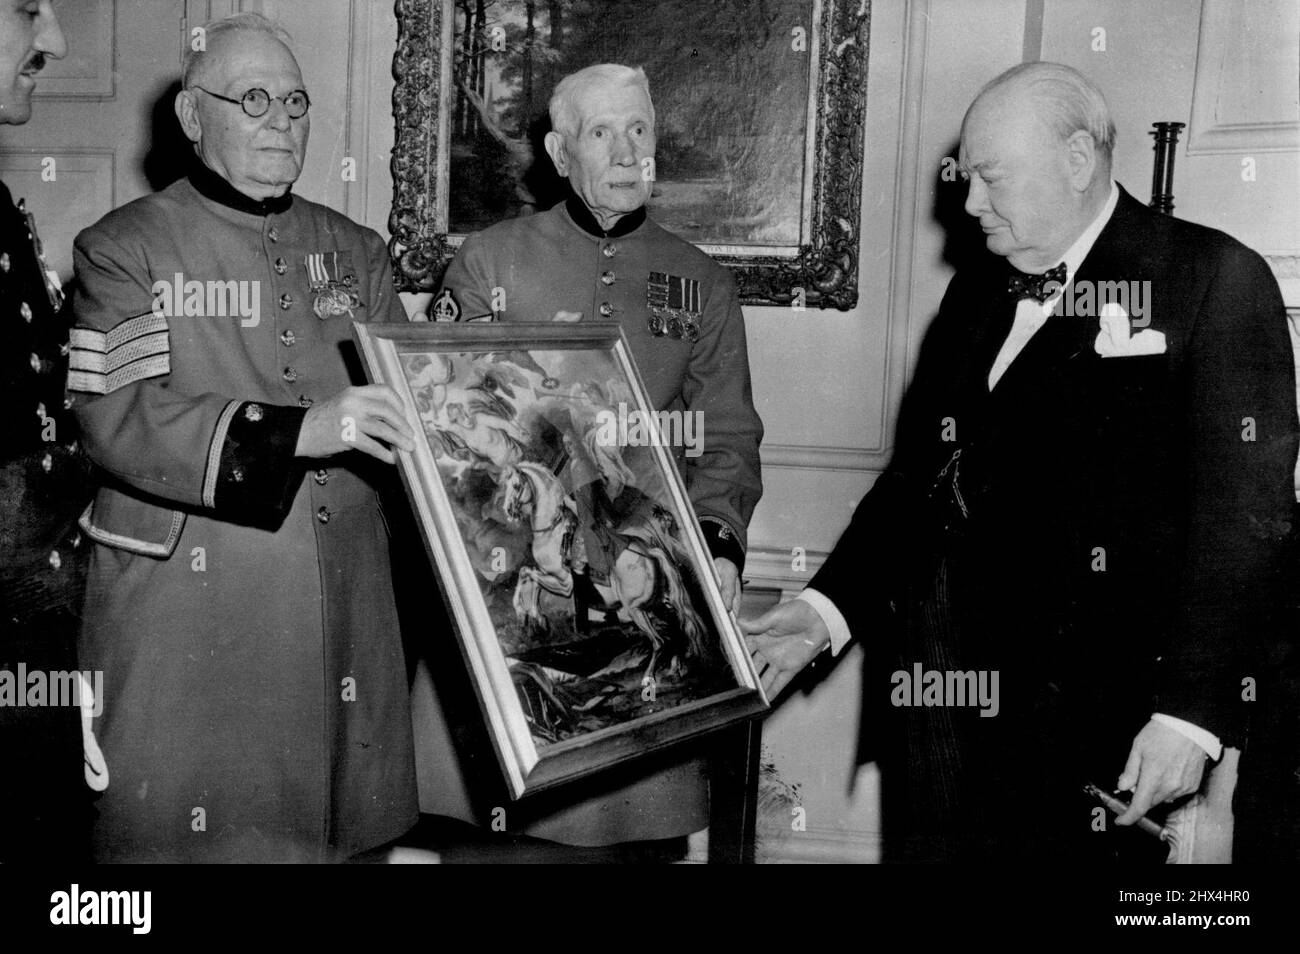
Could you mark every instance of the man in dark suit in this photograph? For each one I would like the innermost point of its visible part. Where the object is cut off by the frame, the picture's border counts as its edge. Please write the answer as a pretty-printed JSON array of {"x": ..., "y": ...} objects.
[{"x": 1090, "y": 497}]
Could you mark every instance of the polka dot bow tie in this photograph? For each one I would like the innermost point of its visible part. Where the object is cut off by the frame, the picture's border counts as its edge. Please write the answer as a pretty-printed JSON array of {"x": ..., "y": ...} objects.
[{"x": 1038, "y": 287}]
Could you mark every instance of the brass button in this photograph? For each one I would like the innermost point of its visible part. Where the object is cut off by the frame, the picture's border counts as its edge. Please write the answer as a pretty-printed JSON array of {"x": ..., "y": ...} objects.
[
  {"x": 26, "y": 311},
  {"x": 285, "y": 301},
  {"x": 253, "y": 413},
  {"x": 606, "y": 309},
  {"x": 273, "y": 234},
  {"x": 281, "y": 266},
  {"x": 35, "y": 362},
  {"x": 323, "y": 515},
  {"x": 47, "y": 463},
  {"x": 607, "y": 278},
  {"x": 610, "y": 250},
  {"x": 287, "y": 338},
  {"x": 304, "y": 401},
  {"x": 4, "y": 261},
  {"x": 321, "y": 477},
  {"x": 237, "y": 474},
  {"x": 290, "y": 374}
]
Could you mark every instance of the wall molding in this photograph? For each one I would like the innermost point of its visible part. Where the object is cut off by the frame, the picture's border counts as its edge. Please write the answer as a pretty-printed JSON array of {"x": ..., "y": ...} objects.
[
  {"x": 907, "y": 211},
  {"x": 771, "y": 568},
  {"x": 1207, "y": 134},
  {"x": 102, "y": 84},
  {"x": 1286, "y": 269},
  {"x": 813, "y": 457},
  {"x": 356, "y": 129},
  {"x": 1284, "y": 264},
  {"x": 816, "y": 846},
  {"x": 819, "y": 846},
  {"x": 1246, "y": 138}
]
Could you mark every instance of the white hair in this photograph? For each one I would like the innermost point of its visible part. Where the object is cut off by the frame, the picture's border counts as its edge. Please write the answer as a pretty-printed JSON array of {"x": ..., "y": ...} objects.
[
  {"x": 1067, "y": 101},
  {"x": 563, "y": 108},
  {"x": 193, "y": 60}
]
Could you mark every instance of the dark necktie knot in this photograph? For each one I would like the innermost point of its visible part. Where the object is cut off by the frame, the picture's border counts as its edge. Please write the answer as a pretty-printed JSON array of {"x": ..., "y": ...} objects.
[{"x": 1038, "y": 287}]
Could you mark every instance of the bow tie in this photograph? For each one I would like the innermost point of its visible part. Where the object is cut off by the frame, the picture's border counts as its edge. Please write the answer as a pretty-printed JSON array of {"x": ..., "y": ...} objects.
[{"x": 1038, "y": 287}]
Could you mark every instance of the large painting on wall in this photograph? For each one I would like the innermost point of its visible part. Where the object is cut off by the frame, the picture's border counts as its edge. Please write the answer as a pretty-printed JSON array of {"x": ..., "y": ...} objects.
[
  {"x": 581, "y": 589},
  {"x": 759, "y": 107}
]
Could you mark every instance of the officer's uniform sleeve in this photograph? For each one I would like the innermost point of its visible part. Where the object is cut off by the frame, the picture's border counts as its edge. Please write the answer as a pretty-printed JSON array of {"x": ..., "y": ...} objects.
[
  {"x": 469, "y": 281},
  {"x": 219, "y": 452},
  {"x": 724, "y": 481}
]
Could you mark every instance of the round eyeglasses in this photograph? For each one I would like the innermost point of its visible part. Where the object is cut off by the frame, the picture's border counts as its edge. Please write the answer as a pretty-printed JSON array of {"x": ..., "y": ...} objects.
[{"x": 257, "y": 101}]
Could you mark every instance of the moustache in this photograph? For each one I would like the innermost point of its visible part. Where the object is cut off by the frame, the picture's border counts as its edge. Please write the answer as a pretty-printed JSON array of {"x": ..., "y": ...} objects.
[{"x": 35, "y": 64}]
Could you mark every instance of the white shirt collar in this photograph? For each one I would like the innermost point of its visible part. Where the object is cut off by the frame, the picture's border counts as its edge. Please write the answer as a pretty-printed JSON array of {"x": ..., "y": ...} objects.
[{"x": 1077, "y": 252}]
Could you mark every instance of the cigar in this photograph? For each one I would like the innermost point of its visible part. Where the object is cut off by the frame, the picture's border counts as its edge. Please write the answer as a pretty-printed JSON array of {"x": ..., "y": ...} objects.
[{"x": 1119, "y": 808}]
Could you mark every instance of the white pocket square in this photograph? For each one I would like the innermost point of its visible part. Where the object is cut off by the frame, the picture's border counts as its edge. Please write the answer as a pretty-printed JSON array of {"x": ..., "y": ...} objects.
[{"x": 1116, "y": 338}]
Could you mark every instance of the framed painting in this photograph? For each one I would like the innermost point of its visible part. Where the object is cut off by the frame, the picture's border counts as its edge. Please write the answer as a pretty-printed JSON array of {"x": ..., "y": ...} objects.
[
  {"x": 581, "y": 589},
  {"x": 759, "y": 121}
]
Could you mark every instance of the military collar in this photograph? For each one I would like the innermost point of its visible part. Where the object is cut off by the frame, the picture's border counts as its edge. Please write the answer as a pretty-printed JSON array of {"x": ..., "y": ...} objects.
[
  {"x": 583, "y": 219},
  {"x": 211, "y": 185}
]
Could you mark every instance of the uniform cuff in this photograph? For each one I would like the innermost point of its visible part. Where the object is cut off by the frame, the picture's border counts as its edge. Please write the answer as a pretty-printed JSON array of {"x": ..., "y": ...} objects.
[
  {"x": 723, "y": 541},
  {"x": 1202, "y": 737},
  {"x": 831, "y": 616},
  {"x": 257, "y": 475}
]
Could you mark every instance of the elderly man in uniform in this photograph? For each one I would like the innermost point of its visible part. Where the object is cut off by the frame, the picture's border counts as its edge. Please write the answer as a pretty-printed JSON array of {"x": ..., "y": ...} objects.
[
  {"x": 239, "y": 600},
  {"x": 598, "y": 257},
  {"x": 42, "y": 489}
]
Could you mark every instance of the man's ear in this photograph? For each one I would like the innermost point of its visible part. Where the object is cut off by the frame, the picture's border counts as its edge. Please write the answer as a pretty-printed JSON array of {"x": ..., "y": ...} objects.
[
  {"x": 1082, "y": 156},
  {"x": 187, "y": 112},
  {"x": 554, "y": 143}
]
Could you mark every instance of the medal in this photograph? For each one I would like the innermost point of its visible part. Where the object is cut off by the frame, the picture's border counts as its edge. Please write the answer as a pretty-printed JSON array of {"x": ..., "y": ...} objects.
[
  {"x": 333, "y": 296},
  {"x": 675, "y": 306},
  {"x": 53, "y": 287}
]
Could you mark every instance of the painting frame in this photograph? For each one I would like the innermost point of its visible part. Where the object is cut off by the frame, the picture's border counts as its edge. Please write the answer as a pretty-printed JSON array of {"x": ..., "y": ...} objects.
[
  {"x": 526, "y": 766},
  {"x": 821, "y": 272}
]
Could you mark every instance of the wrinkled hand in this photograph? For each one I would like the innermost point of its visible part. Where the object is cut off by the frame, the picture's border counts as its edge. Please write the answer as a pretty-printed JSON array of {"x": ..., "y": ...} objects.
[
  {"x": 728, "y": 582},
  {"x": 1162, "y": 765},
  {"x": 783, "y": 641},
  {"x": 357, "y": 419}
]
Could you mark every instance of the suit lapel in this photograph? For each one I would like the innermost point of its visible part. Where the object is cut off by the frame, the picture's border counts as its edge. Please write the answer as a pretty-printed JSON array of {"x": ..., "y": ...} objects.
[
  {"x": 1067, "y": 338},
  {"x": 995, "y": 322}
]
